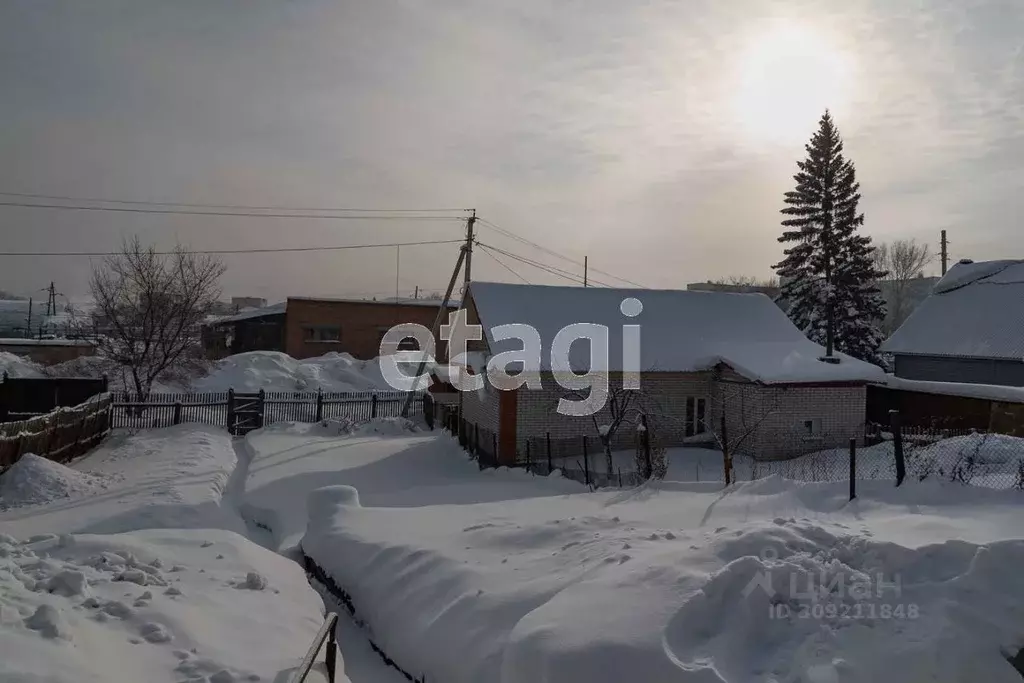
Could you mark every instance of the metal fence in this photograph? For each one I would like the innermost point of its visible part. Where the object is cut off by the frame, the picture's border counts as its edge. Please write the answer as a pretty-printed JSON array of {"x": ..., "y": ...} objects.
[
  {"x": 581, "y": 458},
  {"x": 887, "y": 452},
  {"x": 243, "y": 412}
]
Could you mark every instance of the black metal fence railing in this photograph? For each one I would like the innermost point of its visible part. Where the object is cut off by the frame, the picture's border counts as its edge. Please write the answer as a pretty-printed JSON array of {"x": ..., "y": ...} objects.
[
  {"x": 243, "y": 412},
  {"x": 580, "y": 458},
  {"x": 886, "y": 452},
  {"x": 327, "y": 635}
]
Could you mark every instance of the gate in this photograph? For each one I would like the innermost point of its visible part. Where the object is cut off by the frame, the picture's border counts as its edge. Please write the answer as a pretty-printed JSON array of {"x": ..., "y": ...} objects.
[{"x": 245, "y": 412}]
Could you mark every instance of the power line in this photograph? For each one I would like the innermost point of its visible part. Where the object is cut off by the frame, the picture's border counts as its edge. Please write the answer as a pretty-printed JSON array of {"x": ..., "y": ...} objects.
[
  {"x": 552, "y": 252},
  {"x": 247, "y": 214},
  {"x": 276, "y": 250},
  {"x": 548, "y": 267},
  {"x": 244, "y": 207},
  {"x": 564, "y": 274},
  {"x": 502, "y": 263}
]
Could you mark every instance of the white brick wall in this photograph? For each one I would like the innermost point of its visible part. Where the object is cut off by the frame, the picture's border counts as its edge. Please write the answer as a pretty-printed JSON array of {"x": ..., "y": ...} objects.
[{"x": 663, "y": 396}]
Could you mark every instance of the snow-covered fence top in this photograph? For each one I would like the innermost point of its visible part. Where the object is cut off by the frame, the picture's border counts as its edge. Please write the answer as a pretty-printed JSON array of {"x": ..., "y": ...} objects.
[
  {"x": 60, "y": 435},
  {"x": 242, "y": 412}
]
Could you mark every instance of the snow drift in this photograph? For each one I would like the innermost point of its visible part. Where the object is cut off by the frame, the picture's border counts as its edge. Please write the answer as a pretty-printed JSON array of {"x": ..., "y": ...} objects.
[
  {"x": 274, "y": 371},
  {"x": 661, "y": 585},
  {"x": 34, "y": 480}
]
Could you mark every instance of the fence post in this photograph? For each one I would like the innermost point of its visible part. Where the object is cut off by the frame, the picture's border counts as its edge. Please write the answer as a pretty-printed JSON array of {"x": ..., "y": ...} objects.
[
  {"x": 319, "y": 405},
  {"x": 586, "y": 464},
  {"x": 726, "y": 456},
  {"x": 373, "y": 407},
  {"x": 528, "y": 454},
  {"x": 177, "y": 413},
  {"x": 853, "y": 467},
  {"x": 897, "y": 445},
  {"x": 262, "y": 407},
  {"x": 476, "y": 439},
  {"x": 620, "y": 477},
  {"x": 330, "y": 657},
  {"x": 548, "y": 436},
  {"x": 106, "y": 384},
  {"x": 231, "y": 411},
  {"x": 645, "y": 439},
  {"x": 494, "y": 446}
]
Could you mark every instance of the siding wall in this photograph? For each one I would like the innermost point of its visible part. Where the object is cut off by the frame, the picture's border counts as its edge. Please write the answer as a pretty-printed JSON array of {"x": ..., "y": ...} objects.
[{"x": 967, "y": 370}]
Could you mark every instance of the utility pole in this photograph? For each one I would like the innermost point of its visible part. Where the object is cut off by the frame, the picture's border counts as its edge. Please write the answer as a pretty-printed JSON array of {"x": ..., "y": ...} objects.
[
  {"x": 470, "y": 222},
  {"x": 465, "y": 254},
  {"x": 584, "y": 271},
  {"x": 28, "y": 325},
  {"x": 398, "y": 269},
  {"x": 944, "y": 246},
  {"x": 416, "y": 294}
]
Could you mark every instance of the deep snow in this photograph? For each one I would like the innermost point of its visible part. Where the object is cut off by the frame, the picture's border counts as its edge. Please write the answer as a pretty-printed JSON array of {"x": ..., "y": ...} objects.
[{"x": 464, "y": 575}]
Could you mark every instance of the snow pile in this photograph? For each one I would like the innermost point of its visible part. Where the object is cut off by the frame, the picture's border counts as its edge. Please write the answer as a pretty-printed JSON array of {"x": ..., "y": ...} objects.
[
  {"x": 274, "y": 371},
  {"x": 166, "y": 478},
  {"x": 34, "y": 480},
  {"x": 18, "y": 366},
  {"x": 770, "y": 580},
  {"x": 159, "y": 606}
]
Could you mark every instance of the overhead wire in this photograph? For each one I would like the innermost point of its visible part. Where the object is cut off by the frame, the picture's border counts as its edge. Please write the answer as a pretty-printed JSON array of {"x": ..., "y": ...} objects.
[
  {"x": 501, "y": 263},
  {"x": 552, "y": 252},
  {"x": 274, "y": 250},
  {"x": 246, "y": 214},
  {"x": 244, "y": 207},
  {"x": 559, "y": 272}
]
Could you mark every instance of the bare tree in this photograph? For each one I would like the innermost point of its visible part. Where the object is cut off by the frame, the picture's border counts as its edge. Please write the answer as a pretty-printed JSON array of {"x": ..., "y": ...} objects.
[
  {"x": 904, "y": 261},
  {"x": 747, "y": 281},
  {"x": 737, "y": 399},
  {"x": 149, "y": 306}
]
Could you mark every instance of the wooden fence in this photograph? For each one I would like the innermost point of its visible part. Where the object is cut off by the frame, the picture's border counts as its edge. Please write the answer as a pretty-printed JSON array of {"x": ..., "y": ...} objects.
[
  {"x": 61, "y": 435},
  {"x": 243, "y": 412}
]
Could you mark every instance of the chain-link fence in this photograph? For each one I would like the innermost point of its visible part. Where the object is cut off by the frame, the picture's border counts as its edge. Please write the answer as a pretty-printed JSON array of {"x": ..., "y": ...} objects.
[{"x": 884, "y": 452}]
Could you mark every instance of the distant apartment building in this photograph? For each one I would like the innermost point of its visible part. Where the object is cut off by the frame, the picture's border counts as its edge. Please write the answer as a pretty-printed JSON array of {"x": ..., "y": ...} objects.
[{"x": 239, "y": 303}]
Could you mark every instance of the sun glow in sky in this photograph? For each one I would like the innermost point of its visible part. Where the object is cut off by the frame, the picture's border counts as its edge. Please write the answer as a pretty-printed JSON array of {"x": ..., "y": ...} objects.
[{"x": 787, "y": 77}]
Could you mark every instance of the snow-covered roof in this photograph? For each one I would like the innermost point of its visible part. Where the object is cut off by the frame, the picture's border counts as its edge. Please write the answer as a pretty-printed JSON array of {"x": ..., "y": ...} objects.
[
  {"x": 976, "y": 310},
  {"x": 391, "y": 301},
  {"x": 17, "y": 341},
  {"x": 681, "y": 331},
  {"x": 273, "y": 309},
  {"x": 992, "y": 392}
]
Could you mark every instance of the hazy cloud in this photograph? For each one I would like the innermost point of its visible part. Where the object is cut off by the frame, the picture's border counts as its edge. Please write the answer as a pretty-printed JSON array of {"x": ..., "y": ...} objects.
[{"x": 600, "y": 127}]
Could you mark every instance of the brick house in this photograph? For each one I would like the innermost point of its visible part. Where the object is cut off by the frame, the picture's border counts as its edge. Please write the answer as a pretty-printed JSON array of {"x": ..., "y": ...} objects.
[
  {"x": 702, "y": 355},
  {"x": 305, "y": 327}
]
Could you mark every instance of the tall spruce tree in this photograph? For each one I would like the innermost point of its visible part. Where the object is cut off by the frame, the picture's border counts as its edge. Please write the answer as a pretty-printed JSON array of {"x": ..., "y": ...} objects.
[{"x": 828, "y": 275}]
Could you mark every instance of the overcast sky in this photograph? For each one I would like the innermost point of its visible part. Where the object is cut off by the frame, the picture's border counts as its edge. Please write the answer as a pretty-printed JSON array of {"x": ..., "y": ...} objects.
[{"x": 656, "y": 137}]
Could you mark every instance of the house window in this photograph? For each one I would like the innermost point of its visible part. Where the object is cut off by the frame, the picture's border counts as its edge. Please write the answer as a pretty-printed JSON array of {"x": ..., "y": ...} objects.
[
  {"x": 811, "y": 428},
  {"x": 321, "y": 333},
  {"x": 696, "y": 415}
]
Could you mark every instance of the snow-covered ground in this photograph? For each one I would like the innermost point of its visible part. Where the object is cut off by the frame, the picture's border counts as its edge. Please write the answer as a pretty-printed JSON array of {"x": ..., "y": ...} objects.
[
  {"x": 133, "y": 564},
  {"x": 463, "y": 575},
  {"x": 468, "y": 576},
  {"x": 252, "y": 371},
  {"x": 274, "y": 371}
]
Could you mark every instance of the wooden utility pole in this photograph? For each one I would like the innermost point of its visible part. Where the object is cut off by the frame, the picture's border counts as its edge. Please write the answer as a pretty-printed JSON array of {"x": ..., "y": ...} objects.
[
  {"x": 28, "y": 325},
  {"x": 584, "y": 271},
  {"x": 944, "y": 250},
  {"x": 465, "y": 254},
  {"x": 470, "y": 222}
]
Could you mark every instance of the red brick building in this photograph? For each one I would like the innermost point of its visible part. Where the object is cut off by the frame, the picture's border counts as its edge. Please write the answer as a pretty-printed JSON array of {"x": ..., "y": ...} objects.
[{"x": 305, "y": 327}]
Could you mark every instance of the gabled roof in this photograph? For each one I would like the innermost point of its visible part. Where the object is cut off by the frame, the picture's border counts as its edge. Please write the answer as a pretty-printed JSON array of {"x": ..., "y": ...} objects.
[
  {"x": 976, "y": 310},
  {"x": 680, "y": 331}
]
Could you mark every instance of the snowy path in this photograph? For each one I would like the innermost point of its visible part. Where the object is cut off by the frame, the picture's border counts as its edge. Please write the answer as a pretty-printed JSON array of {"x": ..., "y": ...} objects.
[{"x": 361, "y": 664}]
